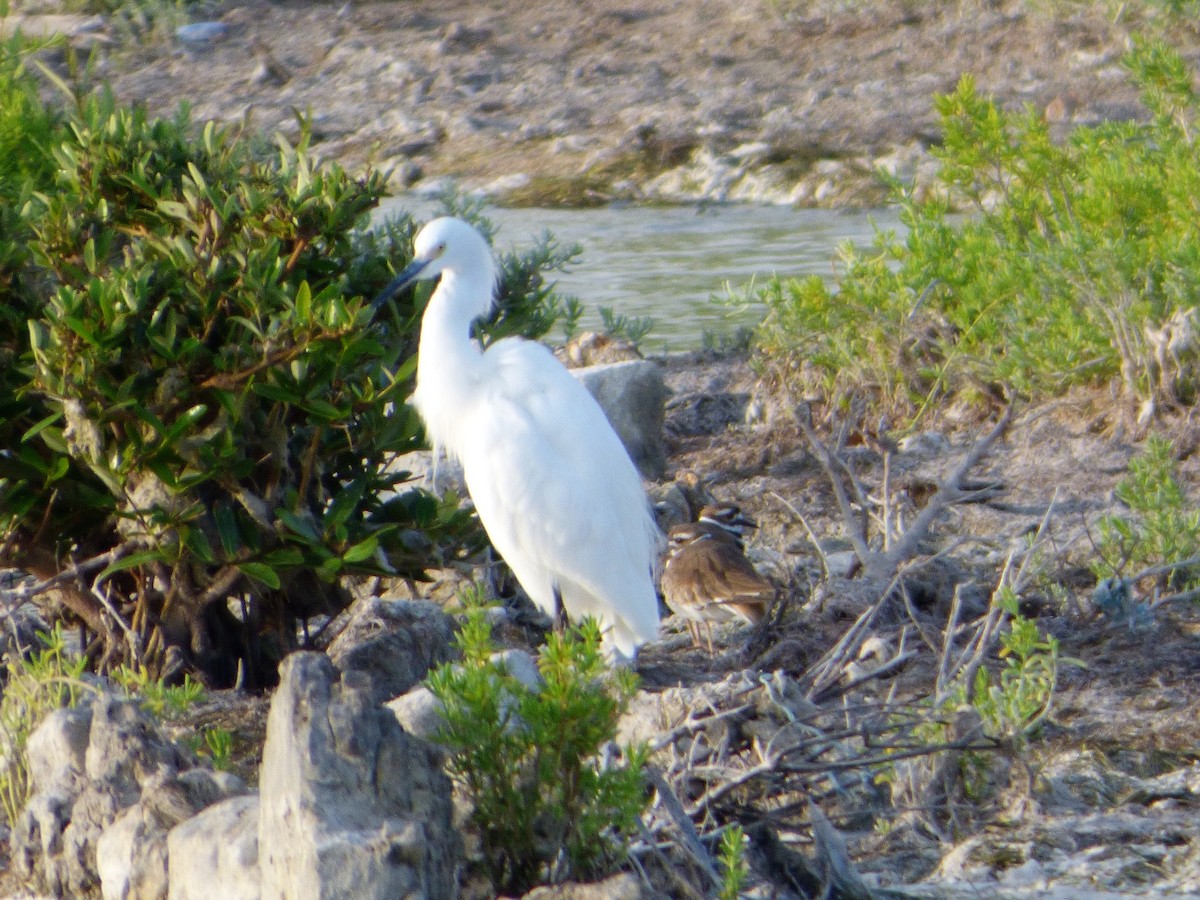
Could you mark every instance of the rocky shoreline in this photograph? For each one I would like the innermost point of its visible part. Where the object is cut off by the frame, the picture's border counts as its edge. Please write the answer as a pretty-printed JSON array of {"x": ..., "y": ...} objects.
[{"x": 566, "y": 104}]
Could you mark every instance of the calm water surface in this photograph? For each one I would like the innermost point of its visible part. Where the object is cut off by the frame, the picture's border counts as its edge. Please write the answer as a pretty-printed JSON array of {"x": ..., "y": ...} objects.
[{"x": 675, "y": 263}]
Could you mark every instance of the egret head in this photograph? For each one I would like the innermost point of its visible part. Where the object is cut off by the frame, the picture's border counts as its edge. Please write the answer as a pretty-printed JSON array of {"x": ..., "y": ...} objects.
[{"x": 449, "y": 246}]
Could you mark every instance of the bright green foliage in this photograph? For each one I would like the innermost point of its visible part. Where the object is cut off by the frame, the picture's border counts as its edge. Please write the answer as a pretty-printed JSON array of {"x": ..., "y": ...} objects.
[
  {"x": 194, "y": 394},
  {"x": 735, "y": 871},
  {"x": 545, "y": 807},
  {"x": 218, "y": 747},
  {"x": 28, "y": 128},
  {"x": 34, "y": 687},
  {"x": 1070, "y": 251},
  {"x": 161, "y": 700},
  {"x": 1017, "y": 700},
  {"x": 1163, "y": 526}
]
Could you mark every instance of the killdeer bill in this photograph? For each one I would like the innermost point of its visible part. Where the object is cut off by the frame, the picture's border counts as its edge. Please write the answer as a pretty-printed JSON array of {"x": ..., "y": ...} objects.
[{"x": 707, "y": 578}]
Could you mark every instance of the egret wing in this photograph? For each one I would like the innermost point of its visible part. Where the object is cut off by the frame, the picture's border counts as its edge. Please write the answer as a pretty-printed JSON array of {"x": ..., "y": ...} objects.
[{"x": 557, "y": 493}]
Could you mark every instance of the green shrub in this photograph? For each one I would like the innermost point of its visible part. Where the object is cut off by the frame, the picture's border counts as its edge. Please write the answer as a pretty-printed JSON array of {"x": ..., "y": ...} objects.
[
  {"x": 735, "y": 871},
  {"x": 545, "y": 807},
  {"x": 1071, "y": 253},
  {"x": 197, "y": 412},
  {"x": 1014, "y": 703},
  {"x": 1163, "y": 527}
]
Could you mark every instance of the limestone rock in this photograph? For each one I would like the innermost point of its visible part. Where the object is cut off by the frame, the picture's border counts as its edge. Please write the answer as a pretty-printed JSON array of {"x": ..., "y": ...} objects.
[
  {"x": 419, "y": 712},
  {"x": 633, "y": 395},
  {"x": 215, "y": 853},
  {"x": 351, "y": 805},
  {"x": 105, "y": 786},
  {"x": 394, "y": 642},
  {"x": 56, "y": 750},
  {"x": 131, "y": 854}
]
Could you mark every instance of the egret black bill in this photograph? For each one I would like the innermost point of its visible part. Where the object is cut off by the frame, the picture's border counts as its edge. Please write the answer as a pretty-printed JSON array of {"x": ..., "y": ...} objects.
[{"x": 410, "y": 274}]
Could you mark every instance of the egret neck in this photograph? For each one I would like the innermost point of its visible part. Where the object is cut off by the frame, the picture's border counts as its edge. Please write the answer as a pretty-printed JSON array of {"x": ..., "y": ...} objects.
[{"x": 450, "y": 363}]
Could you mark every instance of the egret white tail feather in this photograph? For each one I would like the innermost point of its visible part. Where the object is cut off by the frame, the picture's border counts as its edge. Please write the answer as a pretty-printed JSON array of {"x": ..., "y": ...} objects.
[{"x": 552, "y": 483}]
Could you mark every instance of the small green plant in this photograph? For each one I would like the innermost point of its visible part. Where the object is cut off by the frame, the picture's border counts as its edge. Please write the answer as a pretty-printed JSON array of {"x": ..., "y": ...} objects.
[
  {"x": 618, "y": 325},
  {"x": 545, "y": 807},
  {"x": 36, "y": 685},
  {"x": 735, "y": 871},
  {"x": 159, "y": 699},
  {"x": 1162, "y": 528},
  {"x": 1015, "y": 702},
  {"x": 217, "y": 746}
]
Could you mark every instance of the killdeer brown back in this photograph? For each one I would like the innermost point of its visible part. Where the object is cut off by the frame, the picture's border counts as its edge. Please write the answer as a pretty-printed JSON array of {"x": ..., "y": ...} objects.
[{"x": 708, "y": 579}]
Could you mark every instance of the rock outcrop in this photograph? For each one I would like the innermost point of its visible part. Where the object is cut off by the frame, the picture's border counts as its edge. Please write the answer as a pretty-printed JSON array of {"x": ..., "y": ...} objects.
[
  {"x": 107, "y": 786},
  {"x": 351, "y": 805},
  {"x": 394, "y": 643}
]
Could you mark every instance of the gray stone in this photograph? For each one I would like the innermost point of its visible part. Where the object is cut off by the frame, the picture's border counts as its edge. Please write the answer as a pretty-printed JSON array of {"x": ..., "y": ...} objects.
[
  {"x": 633, "y": 395},
  {"x": 351, "y": 805},
  {"x": 619, "y": 887},
  {"x": 215, "y": 853},
  {"x": 394, "y": 643},
  {"x": 106, "y": 788},
  {"x": 56, "y": 750},
  {"x": 201, "y": 34},
  {"x": 419, "y": 712},
  {"x": 521, "y": 666},
  {"x": 55, "y": 840},
  {"x": 131, "y": 854},
  {"x": 131, "y": 858}
]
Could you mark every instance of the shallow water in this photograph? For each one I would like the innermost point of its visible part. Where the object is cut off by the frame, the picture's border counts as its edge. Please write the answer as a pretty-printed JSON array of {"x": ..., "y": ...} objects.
[{"x": 675, "y": 263}]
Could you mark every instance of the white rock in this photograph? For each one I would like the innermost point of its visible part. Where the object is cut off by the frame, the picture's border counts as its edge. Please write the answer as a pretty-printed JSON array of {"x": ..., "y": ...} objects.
[
  {"x": 419, "y": 712},
  {"x": 925, "y": 443},
  {"x": 56, "y": 750},
  {"x": 521, "y": 666},
  {"x": 351, "y": 805},
  {"x": 215, "y": 853}
]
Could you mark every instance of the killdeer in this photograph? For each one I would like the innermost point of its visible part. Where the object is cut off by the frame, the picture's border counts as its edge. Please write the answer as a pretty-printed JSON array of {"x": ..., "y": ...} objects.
[{"x": 708, "y": 579}]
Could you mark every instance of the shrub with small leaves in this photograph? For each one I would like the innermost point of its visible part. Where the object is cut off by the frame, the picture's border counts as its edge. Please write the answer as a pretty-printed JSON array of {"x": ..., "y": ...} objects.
[
  {"x": 1162, "y": 527},
  {"x": 546, "y": 806},
  {"x": 735, "y": 871},
  {"x": 1014, "y": 703},
  {"x": 1077, "y": 266},
  {"x": 158, "y": 698}
]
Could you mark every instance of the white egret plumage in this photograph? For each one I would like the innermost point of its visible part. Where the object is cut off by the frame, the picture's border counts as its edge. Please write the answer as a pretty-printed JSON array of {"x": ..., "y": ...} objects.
[{"x": 552, "y": 483}]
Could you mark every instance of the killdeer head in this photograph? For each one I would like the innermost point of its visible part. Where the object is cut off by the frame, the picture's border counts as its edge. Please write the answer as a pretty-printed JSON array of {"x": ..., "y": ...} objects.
[
  {"x": 730, "y": 518},
  {"x": 707, "y": 578}
]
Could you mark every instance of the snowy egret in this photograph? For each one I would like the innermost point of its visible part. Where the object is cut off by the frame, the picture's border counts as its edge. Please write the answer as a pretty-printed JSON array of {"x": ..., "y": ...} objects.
[
  {"x": 708, "y": 579},
  {"x": 553, "y": 486}
]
